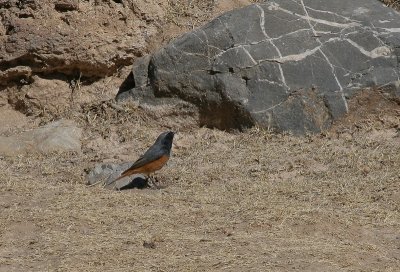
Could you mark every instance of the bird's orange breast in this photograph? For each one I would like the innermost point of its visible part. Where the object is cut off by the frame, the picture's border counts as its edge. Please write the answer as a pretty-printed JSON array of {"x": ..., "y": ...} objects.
[{"x": 151, "y": 166}]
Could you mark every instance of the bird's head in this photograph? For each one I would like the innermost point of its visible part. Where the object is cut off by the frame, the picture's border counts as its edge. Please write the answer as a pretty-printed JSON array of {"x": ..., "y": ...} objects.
[{"x": 166, "y": 139}]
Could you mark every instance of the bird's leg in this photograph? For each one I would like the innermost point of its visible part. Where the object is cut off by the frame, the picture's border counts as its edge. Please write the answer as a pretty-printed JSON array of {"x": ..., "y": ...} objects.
[
  {"x": 153, "y": 182},
  {"x": 150, "y": 181}
]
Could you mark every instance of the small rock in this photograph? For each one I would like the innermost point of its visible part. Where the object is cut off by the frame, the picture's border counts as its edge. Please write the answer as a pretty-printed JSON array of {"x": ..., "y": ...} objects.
[
  {"x": 106, "y": 173},
  {"x": 150, "y": 244},
  {"x": 66, "y": 5},
  {"x": 62, "y": 135}
]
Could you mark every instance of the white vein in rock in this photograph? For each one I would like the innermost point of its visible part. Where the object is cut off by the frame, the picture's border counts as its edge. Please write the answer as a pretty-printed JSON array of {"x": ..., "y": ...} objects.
[
  {"x": 378, "y": 52},
  {"x": 333, "y": 13},
  {"x": 270, "y": 108},
  {"x": 309, "y": 19},
  {"x": 391, "y": 30},
  {"x": 208, "y": 46},
  {"x": 249, "y": 55},
  {"x": 270, "y": 82},
  {"x": 262, "y": 25}
]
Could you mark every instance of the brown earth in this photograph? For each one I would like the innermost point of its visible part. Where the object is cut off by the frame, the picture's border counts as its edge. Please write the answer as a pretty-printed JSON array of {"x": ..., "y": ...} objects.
[
  {"x": 252, "y": 201},
  {"x": 90, "y": 39}
]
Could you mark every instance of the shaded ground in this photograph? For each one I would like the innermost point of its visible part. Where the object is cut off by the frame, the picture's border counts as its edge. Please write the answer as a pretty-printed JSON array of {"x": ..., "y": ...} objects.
[{"x": 249, "y": 201}]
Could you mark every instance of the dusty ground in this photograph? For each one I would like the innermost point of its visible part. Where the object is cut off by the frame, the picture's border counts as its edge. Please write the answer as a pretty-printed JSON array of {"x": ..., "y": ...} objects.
[{"x": 251, "y": 201}]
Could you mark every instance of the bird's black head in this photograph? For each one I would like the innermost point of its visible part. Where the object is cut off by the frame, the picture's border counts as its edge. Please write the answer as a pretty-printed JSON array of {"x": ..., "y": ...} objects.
[{"x": 165, "y": 139}]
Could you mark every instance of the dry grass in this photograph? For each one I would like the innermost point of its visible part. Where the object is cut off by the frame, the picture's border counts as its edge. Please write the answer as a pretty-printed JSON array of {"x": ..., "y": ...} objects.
[
  {"x": 193, "y": 13},
  {"x": 252, "y": 201},
  {"x": 392, "y": 3}
]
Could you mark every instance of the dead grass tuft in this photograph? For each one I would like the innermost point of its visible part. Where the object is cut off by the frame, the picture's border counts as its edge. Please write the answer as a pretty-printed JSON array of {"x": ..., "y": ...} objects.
[{"x": 392, "y": 3}]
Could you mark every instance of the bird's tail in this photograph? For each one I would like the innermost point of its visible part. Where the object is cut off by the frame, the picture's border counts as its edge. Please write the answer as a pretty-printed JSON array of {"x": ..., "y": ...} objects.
[{"x": 123, "y": 175}]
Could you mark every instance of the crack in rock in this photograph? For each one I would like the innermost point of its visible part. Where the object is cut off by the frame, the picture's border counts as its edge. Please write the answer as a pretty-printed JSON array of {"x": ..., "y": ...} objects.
[{"x": 290, "y": 65}]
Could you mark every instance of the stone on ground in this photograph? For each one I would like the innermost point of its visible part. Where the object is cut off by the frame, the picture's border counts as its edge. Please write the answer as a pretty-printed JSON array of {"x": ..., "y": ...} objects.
[{"x": 62, "y": 135}]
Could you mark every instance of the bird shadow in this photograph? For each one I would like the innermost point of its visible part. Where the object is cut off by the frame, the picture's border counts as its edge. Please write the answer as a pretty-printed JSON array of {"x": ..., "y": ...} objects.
[{"x": 136, "y": 183}]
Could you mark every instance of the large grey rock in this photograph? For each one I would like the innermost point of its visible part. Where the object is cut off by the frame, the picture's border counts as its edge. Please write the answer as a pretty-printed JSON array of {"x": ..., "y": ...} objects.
[
  {"x": 62, "y": 135},
  {"x": 289, "y": 64}
]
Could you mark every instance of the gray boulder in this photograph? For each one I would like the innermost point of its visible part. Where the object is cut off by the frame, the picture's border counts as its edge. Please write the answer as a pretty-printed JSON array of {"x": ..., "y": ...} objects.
[
  {"x": 62, "y": 135},
  {"x": 290, "y": 65}
]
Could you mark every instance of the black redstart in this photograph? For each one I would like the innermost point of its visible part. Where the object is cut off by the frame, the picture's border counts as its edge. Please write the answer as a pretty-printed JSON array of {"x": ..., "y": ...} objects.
[{"x": 154, "y": 158}]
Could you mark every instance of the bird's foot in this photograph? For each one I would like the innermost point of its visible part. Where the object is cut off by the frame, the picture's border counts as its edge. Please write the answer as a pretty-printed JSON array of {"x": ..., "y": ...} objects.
[
  {"x": 153, "y": 182},
  {"x": 150, "y": 181}
]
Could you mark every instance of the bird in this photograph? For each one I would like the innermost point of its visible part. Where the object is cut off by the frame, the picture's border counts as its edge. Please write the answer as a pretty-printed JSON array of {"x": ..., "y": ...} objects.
[{"x": 153, "y": 159}]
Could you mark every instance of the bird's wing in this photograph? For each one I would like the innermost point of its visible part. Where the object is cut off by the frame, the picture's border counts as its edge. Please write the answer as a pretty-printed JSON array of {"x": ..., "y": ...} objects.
[{"x": 152, "y": 154}]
